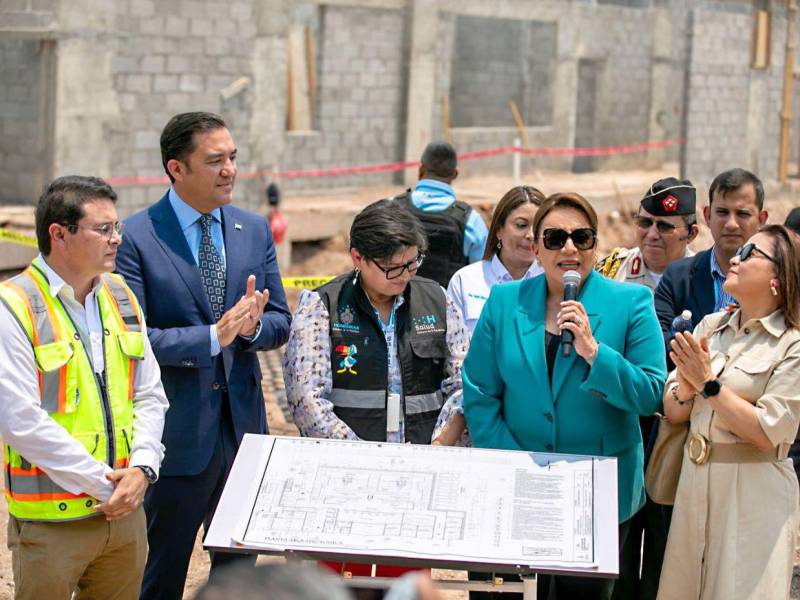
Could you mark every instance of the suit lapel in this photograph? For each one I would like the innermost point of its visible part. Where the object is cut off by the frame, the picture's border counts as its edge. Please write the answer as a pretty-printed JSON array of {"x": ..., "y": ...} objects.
[
  {"x": 702, "y": 289},
  {"x": 564, "y": 364},
  {"x": 529, "y": 322},
  {"x": 169, "y": 235},
  {"x": 235, "y": 255}
]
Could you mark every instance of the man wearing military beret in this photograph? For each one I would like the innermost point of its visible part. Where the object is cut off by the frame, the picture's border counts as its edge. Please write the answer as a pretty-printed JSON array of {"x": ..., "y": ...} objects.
[{"x": 665, "y": 225}]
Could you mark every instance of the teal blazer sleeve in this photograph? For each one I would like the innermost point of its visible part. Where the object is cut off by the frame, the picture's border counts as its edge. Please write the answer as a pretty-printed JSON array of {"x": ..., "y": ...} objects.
[
  {"x": 511, "y": 402},
  {"x": 485, "y": 382},
  {"x": 632, "y": 378}
]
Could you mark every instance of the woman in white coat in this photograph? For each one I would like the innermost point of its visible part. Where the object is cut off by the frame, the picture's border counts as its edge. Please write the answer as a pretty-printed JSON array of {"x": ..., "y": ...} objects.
[{"x": 508, "y": 255}]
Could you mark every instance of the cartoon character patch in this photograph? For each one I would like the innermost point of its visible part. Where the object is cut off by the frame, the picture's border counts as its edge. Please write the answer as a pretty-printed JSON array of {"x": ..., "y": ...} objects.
[
  {"x": 670, "y": 203},
  {"x": 348, "y": 354}
]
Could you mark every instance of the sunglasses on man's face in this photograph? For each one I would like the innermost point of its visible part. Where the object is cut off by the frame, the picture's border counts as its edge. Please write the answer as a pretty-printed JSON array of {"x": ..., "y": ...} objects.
[
  {"x": 663, "y": 227},
  {"x": 584, "y": 238},
  {"x": 745, "y": 252}
]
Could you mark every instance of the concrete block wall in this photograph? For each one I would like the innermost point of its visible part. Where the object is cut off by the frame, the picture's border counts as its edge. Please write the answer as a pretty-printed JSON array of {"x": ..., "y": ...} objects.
[
  {"x": 361, "y": 91},
  {"x": 494, "y": 61},
  {"x": 28, "y": 15},
  {"x": 20, "y": 144},
  {"x": 733, "y": 110},
  {"x": 171, "y": 57}
]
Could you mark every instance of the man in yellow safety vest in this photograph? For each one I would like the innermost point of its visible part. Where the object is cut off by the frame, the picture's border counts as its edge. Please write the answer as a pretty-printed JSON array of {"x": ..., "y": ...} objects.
[{"x": 82, "y": 406}]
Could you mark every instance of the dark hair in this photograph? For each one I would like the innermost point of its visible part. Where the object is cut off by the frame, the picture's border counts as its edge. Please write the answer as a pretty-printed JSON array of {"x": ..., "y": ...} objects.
[
  {"x": 276, "y": 581},
  {"x": 793, "y": 220},
  {"x": 733, "y": 179},
  {"x": 513, "y": 198},
  {"x": 440, "y": 160},
  {"x": 62, "y": 202},
  {"x": 385, "y": 228},
  {"x": 177, "y": 138},
  {"x": 564, "y": 200},
  {"x": 787, "y": 270}
]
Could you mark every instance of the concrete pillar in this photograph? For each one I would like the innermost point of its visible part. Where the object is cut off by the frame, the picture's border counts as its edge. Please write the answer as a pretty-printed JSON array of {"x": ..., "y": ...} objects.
[
  {"x": 660, "y": 76},
  {"x": 424, "y": 25},
  {"x": 268, "y": 123},
  {"x": 565, "y": 83},
  {"x": 86, "y": 105}
]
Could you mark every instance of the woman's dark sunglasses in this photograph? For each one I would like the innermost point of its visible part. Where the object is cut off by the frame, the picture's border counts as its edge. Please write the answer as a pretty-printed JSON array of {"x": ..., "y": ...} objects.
[
  {"x": 746, "y": 251},
  {"x": 584, "y": 238},
  {"x": 663, "y": 227},
  {"x": 395, "y": 272}
]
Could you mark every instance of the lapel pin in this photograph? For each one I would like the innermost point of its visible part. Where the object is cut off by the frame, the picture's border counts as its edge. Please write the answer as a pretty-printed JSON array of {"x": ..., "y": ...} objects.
[{"x": 237, "y": 226}]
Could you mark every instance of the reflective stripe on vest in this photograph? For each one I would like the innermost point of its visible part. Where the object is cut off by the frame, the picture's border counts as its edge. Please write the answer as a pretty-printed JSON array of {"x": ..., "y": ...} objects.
[
  {"x": 420, "y": 403},
  {"x": 69, "y": 390}
]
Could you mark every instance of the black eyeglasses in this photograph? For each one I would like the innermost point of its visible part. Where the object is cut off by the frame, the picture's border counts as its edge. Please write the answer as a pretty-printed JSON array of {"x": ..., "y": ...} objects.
[
  {"x": 584, "y": 238},
  {"x": 106, "y": 230},
  {"x": 395, "y": 272},
  {"x": 746, "y": 251},
  {"x": 663, "y": 227}
]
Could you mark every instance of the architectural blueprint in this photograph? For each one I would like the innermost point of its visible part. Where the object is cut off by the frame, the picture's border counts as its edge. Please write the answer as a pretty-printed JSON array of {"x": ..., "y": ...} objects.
[{"x": 459, "y": 504}]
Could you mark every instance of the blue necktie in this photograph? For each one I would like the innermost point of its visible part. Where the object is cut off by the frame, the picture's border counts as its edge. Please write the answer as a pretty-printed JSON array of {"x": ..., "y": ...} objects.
[{"x": 212, "y": 270}]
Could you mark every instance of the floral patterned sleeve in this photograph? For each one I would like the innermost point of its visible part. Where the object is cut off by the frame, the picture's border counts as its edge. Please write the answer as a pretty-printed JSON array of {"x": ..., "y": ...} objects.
[
  {"x": 307, "y": 372},
  {"x": 457, "y": 344}
]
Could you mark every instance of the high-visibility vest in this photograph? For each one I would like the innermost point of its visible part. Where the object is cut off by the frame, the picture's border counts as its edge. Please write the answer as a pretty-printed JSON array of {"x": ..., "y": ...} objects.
[{"x": 96, "y": 410}]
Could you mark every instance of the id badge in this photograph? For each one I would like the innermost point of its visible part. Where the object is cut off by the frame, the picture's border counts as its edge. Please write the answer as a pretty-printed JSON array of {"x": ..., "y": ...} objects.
[{"x": 393, "y": 413}]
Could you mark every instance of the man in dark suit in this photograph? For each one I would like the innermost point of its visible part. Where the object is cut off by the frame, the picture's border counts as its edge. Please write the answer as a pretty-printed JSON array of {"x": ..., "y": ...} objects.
[
  {"x": 196, "y": 264},
  {"x": 734, "y": 213}
]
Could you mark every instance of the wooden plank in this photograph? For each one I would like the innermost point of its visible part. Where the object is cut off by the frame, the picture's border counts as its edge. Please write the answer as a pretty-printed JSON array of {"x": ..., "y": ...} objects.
[
  {"x": 299, "y": 80},
  {"x": 311, "y": 69}
]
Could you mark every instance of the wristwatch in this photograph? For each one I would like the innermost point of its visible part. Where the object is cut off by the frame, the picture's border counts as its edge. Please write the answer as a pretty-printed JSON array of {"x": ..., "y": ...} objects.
[
  {"x": 711, "y": 388},
  {"x": 149, "y": 474}
]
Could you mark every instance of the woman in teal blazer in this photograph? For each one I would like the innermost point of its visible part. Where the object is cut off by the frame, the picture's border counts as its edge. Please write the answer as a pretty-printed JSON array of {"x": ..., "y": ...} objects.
[{"x": 521, "y": 393}]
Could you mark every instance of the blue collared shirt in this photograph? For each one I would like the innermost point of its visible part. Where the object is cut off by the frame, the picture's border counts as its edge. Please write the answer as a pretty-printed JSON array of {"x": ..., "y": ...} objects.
[
  {"x": 188, "y": 220},
  {"x": 721, "y": 297},
  {"x": 433, "y": 195}
]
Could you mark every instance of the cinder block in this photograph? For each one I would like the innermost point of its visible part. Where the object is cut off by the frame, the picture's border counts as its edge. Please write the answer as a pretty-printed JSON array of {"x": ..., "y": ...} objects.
[
  {"x": 142, "y": 8},
  {"x": 165, "y": 83},
  {"x": 152, "y": 64},
  {"x": 178, "y": 64},
  {"x": 176, "y": 26},
  {"x": 191, "y": 83},
  {"x": 202, "y": 27}
]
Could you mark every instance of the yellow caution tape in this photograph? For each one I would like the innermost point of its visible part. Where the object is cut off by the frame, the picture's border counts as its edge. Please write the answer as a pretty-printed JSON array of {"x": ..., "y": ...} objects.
[
  {"x": 308, "y": 283},
  {"x": 15, "y": 237}
]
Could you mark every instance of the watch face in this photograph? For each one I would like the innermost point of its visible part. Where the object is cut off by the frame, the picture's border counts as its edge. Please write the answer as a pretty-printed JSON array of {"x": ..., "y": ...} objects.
[{"x": 711, "y": 388}]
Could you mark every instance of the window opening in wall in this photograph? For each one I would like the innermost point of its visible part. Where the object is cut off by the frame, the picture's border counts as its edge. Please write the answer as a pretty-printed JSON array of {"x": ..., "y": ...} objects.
[
  {"x": 495, "y": 61},
  {"x": 762, "y": 33}
]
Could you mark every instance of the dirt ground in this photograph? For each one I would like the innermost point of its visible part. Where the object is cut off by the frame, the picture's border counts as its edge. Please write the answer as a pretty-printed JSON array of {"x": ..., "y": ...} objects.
[{"x": 614, "y": 194}]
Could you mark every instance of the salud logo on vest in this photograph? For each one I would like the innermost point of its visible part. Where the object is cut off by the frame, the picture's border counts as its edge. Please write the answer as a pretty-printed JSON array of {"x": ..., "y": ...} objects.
[
  {"x": 346, "y": 322},
  {"x": 426, "y": 324},
  {"x": 348, "y": 354}
]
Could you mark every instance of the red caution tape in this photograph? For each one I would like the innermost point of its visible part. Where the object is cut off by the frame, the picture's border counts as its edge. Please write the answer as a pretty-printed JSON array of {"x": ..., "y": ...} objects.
[{"x": 401, "y": 166}]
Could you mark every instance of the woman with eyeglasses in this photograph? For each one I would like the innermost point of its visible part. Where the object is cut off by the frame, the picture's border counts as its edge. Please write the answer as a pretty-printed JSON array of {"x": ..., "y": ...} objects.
[
  {"x": 736, "y": 381},
  {"x": 527, "y": 388},
  {"x": 373, "y": 354}
]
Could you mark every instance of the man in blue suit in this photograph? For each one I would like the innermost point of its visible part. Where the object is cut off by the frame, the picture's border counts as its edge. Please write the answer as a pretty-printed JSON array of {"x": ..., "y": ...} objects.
[
  {"x": 734, "y": 213},
  {"x": 196, "y": 264}
]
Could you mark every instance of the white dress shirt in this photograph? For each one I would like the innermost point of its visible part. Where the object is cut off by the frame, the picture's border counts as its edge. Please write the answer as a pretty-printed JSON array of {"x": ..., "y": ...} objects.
[
  {"x": 469, "y": 287},
  {"x": 27, "y": 428}
]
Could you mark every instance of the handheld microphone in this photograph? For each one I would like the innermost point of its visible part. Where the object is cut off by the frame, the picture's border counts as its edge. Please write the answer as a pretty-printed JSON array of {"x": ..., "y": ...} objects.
[{"x": 571, "y": 279}]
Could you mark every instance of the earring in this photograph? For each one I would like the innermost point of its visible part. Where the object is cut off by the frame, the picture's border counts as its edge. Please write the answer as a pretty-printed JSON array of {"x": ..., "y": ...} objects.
[
  {"x": 499, "y": 244},
  {"x": 355, "y": 275},
  {"x": 773, "y": 287}
]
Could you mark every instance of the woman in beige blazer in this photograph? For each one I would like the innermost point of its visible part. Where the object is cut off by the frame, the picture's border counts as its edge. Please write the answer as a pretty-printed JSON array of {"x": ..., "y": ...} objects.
[{"x": 737, "y": 382}]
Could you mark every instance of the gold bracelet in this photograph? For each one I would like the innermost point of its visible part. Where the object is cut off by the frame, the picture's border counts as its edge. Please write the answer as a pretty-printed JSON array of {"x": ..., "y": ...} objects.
[{"x": 674, "y": 392}]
